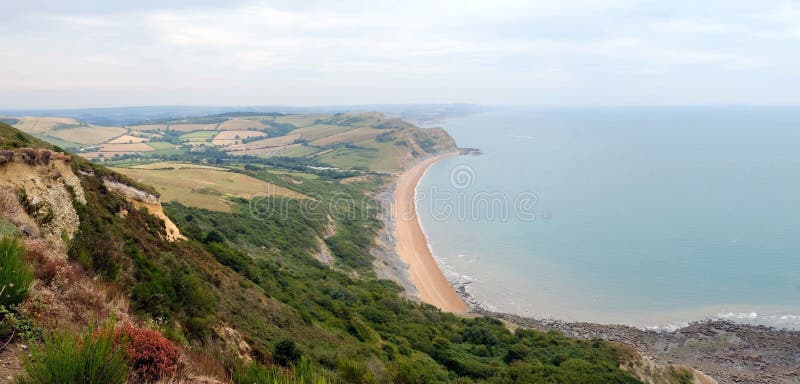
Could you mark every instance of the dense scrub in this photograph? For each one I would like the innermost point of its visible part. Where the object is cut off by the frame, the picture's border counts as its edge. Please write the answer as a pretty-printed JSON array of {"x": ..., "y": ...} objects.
[{"x": 378, "y": 336}]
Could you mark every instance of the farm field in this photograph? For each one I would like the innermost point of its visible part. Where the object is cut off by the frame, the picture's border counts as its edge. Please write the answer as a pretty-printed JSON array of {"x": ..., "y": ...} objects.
[
  {"x": 198, "y": 136},
  {"x": 134, "y": 147},
  {"x": 237, "y": 124},
  {"x": 203, "y": 186},
  {"x": 68, "y": 130},
  {"x": 128, "y": 139},
  {"x": 192, "y": 127},
  {"x": 366, "y": 141},
  {"x": 87, "y": 135},
  {"x": 225, "y": 138},
  {"x": 148, "y": 127},
  {"x": 349, "y": 136}
]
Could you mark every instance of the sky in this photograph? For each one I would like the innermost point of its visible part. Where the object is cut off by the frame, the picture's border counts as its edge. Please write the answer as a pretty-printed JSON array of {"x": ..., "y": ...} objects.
[{"x": 81, "y": 53}]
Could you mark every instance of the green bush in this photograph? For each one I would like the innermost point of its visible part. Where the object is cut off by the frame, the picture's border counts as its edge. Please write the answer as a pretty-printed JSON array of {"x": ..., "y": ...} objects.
[
  {"x": 90, "y": 358},
  {"x": 303, "y": 373},
  {"x": 286, "y": 352},
  {"x": 15, "y": 274}
]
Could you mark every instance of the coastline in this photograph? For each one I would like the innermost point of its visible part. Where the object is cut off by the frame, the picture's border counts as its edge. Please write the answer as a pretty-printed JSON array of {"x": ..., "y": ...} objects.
[{"x": 411, "y": 243}]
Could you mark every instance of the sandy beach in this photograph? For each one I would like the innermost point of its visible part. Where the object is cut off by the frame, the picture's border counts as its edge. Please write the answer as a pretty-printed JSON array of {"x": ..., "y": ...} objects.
[{"x": 412, "y": 245}]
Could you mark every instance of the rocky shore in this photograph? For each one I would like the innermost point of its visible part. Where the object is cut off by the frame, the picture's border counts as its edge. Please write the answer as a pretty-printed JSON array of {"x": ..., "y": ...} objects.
[{"x": 728, "y": 352}]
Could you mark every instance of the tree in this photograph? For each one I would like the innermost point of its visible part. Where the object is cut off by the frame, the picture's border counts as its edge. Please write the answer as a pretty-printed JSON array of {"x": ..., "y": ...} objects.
[{"x": 286, "y": 352}]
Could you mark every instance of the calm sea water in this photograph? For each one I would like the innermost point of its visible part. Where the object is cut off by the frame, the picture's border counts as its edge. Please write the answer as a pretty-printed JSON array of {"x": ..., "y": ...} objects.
[{"x": 642, "y": 216}]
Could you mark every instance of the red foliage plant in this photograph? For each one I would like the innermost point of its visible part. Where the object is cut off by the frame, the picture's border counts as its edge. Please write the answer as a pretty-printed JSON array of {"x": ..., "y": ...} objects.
[{"x": 151, "y": 355}]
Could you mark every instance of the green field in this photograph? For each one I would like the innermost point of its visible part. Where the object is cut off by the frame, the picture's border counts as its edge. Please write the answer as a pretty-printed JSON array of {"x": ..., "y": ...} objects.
[{"x": 198, "y": 136}]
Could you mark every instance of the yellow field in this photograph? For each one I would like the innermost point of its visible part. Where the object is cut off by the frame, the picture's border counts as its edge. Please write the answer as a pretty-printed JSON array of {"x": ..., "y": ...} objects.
[
  {"x": 148, "y": 127},
  {"x": 350, "y": 136},
  {"x": 68, "y": 129},
  {"x": 236, "y": 124},
  {"x": 128, "y": 139},
  {"x": 174, "y": 164},
  {"x": 42, "y": 124},
  {"x": 202, "y": 186},
  {"x": 135, "y": 147},
  {"x": 192, "y": 127},
  {"x": 87, "y": 135}
]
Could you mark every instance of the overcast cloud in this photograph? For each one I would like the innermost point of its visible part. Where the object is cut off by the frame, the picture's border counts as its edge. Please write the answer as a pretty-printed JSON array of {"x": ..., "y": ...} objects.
[{"x": 603, "y": 52}]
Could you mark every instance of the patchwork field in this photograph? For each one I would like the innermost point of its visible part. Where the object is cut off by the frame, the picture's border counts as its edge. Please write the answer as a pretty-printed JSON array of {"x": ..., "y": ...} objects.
[
  {"x": 149, "y": 127},
  {"x": 269, "y": 151},
  {"x": 302, "y": 120},
  {"x": 87, "y": 135},
  {"x": 192, "y": 127},
  {"x": 226, "y": 138},
  {"x": 349, "y": 136},
  {"x": 128, "y": 139},
  {"x": 198, "y": 136},
  {"x": 203, "y": 186},
  {"x": 365, "y": 141},
  {"x": 68, "y": 130},
  {"x": 268, "y": 143},
  {"x": 42, "y": 124},
  {"x": 319, "y": 131},
  {"x": 241, "y": 124}
]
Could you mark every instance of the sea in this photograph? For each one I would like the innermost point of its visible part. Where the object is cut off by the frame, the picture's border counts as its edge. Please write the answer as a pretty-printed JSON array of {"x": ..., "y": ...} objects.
[{"x": 646, "y": 216}]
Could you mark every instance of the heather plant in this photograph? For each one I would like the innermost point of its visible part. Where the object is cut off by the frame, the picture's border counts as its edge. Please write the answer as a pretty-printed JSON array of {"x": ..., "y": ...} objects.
[{"x": 150, "y": 355}]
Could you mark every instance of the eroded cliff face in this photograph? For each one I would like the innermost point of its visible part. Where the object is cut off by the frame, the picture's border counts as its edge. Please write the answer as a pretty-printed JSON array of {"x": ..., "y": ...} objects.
[
  {"x": 39, "y": 195},
  {"x": 142, "y": 199}
]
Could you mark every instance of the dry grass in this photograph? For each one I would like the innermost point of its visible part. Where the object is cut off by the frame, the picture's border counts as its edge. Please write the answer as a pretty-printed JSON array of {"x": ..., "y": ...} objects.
[
  {"x": 208, "y": 188},
  {"x": 128, "y": 139},
  {"x": 237, "y": 124}
]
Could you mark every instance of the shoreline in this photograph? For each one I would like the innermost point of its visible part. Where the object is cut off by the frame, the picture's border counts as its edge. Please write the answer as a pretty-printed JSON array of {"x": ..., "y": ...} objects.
[{"x": 411, "y": 243}]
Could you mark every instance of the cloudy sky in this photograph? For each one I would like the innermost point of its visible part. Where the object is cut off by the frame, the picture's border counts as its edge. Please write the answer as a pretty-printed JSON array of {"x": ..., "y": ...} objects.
[{"x": 606, "y": 52}]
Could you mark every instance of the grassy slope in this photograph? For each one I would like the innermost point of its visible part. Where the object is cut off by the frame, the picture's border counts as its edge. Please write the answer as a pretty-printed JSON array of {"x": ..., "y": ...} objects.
[{"x": 262, "y": 281}]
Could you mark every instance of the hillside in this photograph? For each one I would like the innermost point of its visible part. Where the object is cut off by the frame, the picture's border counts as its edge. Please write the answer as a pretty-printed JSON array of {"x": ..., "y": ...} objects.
[
  {"x": 272, "y": 289},
  {"x": 367, "y": 141}
]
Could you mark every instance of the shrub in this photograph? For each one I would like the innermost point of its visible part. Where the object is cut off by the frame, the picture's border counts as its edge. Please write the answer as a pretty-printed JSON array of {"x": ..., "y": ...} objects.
[
  {"x": 150, "y": 355},
  {"x": 15, "y": 274},
  {"x": 90, "y": 358},
  {"x": 303, "y": 373},
  {"x": 286, "y": 352}
]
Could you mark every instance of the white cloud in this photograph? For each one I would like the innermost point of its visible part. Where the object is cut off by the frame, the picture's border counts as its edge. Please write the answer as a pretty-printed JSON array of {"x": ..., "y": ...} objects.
[{"x": 365, "y": 52}]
